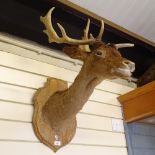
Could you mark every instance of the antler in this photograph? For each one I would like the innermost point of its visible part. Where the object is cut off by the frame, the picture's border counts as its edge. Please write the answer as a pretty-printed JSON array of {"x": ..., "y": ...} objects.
[
  {"x": 86, "y": 30},
  {"x": 123, "y": 45},
  {"x": 99, "y": 37},
  {"x": 53, "y": 37}
]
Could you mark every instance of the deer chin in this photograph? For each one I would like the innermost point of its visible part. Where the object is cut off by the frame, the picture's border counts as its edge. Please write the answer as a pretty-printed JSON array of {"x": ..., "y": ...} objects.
[{"x": 125, "y": 72}]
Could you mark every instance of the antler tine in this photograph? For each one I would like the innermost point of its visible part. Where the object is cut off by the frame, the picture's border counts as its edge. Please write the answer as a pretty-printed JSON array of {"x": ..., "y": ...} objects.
[
  {"x": 86, "y": 30},
  {"x": 91, "y": 36},
  {"x": 53, "y": 37},
  {"x": 99, "y": 37},
  {"x": 123, "y": 45},
  {"x": 49, "y": 31}
]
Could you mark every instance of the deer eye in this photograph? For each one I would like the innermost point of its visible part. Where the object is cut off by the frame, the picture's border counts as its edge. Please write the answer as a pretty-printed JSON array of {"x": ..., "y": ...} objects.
[{"x": 98, "y": 53}]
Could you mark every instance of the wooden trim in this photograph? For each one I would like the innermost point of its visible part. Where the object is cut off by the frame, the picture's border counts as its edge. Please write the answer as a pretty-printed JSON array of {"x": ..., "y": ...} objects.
[
  {"x": 97, "y": 17},
  {"x": 139, "y": 103},
  {"x": 138, "y": 92}
]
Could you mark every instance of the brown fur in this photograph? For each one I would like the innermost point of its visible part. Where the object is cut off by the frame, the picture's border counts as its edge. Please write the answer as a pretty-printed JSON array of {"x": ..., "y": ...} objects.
[
  {"x": 57, "y": 113},
  {"x": 66, "y": 104}
]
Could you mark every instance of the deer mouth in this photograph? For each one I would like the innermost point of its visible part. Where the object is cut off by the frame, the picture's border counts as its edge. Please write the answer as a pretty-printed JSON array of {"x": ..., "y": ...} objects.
[
  {"x": 127, "y": 69},
  {"x": 125, "y": 72}
]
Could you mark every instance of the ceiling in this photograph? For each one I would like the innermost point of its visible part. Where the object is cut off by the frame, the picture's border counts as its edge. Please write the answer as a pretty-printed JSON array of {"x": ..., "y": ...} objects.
[{"x": 137, "y": 16}]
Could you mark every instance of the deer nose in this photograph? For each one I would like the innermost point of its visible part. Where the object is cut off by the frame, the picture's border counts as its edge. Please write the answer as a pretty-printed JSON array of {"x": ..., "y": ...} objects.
[{"x": 130, "y": 64}]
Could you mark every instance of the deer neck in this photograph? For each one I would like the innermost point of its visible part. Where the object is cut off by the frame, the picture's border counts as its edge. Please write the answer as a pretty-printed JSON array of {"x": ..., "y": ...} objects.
[
  {"x": 83, "y": 85},
  {"x": 64, "y": 106},
  {"x": 80, "y": 91}
]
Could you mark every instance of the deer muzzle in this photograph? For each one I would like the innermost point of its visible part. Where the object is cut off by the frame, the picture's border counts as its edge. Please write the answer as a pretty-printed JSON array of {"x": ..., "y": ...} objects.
[{"x": 130, "y": 65}]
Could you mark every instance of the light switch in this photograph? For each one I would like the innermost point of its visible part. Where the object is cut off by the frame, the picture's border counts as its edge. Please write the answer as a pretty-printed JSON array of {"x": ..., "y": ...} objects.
[{"x": 117, "y": 125}]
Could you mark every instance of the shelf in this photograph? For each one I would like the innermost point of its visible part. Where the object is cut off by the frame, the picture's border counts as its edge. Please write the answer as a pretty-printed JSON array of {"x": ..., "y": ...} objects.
[{"x": 139, "y": 103}]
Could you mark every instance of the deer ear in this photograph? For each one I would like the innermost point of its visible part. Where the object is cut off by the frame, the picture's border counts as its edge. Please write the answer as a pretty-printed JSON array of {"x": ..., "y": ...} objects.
[{"x": 75, "y": 53}]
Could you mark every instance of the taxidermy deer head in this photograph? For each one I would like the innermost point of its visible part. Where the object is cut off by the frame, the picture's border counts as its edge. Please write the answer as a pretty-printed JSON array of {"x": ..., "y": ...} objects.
[{"x": 100, "y": 61}]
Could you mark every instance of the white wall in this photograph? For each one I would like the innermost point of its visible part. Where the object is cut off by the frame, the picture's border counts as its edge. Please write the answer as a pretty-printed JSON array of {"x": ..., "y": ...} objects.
[{"x": 22, "y": 72}]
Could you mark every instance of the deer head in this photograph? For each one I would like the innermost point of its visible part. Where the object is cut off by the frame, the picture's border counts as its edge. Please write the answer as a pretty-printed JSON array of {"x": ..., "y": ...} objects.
[{"x": 100, "y": 61}]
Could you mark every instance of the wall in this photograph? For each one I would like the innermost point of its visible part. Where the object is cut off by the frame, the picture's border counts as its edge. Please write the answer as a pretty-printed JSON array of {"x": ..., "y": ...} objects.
[
  {"x": 141, "y": 138},
  {"x": 22, "y": 72}
]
